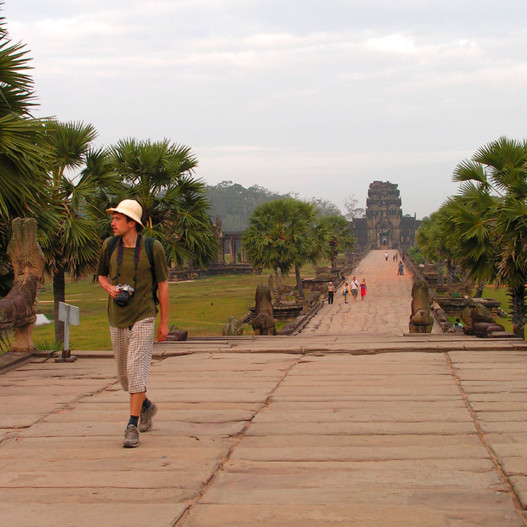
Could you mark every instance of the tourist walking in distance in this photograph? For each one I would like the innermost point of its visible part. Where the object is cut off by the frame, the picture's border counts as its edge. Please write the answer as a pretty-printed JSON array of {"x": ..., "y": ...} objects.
[
  {"x": 331, "y": 292},
  {"x": 354, "y": 288},
  {"x": 345, "y": 292},
  {"x": 129, "y": 268},
  {"x": 401, "y": 268},
  {"x": 363, "y": 289},
  {"x": 386, "y": 255}
]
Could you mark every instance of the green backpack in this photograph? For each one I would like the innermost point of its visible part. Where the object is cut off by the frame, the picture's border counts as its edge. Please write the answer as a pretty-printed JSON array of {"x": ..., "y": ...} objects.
[{"x": 149, "y": 248}]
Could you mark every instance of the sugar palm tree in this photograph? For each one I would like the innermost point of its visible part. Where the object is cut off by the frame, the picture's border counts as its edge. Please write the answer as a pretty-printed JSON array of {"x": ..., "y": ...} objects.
[
  {"x": 489, "y": 222},
  {"x": 23, "y": 153},
  {"x": 512, "y": 266},
  {"x": 72, "y": 247},
  {"x": 339, "y": 234},
  {"x": 160, "y": 176},
  {"x": 283, "y": 235}
]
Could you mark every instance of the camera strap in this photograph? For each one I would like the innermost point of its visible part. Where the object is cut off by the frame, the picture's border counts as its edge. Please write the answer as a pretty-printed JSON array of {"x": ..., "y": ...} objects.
[{"x": 137, "y": 255}]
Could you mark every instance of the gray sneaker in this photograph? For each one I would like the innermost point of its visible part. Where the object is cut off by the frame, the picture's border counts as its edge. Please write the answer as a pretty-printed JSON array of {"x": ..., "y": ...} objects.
[
  {"x": 145, "y": 419},
  {"x": 131, "y": 437}
]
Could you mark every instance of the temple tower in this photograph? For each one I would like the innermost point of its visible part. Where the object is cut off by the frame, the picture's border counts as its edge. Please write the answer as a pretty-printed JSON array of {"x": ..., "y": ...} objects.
[
  {"x": 383, "y": 215},
  {"x": 385, "y": 226}
]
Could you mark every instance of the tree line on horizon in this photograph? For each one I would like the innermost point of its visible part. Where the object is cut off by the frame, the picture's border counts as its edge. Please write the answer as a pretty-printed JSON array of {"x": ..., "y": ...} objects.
[{"x": 233, "y": 203}]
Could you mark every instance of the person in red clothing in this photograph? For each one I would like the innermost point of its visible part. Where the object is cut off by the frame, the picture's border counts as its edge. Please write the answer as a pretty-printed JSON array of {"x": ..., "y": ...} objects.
[{"x": 363, "y": 289}]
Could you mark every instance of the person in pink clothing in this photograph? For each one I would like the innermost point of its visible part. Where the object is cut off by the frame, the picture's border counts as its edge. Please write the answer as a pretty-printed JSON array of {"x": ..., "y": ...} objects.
[{"x": 363, "y": 289}]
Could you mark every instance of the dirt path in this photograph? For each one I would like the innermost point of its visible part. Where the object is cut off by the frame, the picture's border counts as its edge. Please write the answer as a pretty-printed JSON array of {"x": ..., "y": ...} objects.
[{"x": 385, "y": 310}]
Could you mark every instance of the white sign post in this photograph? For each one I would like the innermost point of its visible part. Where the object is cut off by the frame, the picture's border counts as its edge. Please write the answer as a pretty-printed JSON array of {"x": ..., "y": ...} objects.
[{"x": 69, "y": 315}]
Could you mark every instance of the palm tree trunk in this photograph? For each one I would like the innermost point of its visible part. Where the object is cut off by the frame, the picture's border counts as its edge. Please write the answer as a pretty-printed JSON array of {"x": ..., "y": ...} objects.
[
  {"x": 517, "y": 304},
  {"x": 299, "y": 281},
  {"x": 440, "y": 271},
  {"x": 59, "y": 295},
  {"x": 278, "y": 278},
  {"x": 450, "y": 272}
]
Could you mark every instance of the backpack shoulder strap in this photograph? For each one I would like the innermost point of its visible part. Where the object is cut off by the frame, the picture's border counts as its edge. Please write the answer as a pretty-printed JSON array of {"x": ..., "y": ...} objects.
[
  {"x": 149, "y": 248},
  {"x": 112, "y": 244},
  {"x": 107, "y": 252}
]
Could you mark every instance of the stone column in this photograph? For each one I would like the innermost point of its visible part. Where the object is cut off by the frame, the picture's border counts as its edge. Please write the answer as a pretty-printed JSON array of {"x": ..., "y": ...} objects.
[
  {"x": 232, "y": 251},
  {"x": 220, "y": 258}
]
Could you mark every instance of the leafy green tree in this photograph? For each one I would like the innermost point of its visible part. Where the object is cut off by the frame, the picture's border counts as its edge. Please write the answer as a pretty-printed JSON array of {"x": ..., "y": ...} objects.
[
  {"x": 512, "y": 266},
  {"x": 339, "y": 234},
  {"x": 23, "y": 152},
  {"x": 73, "y": 245},
  {"x": 416, "y": 255},
  {"x": 284, "y": 234},
  {"x": 159, "y": 175},
  {"x": 436, "y": 242},
  {"x": 487, "y": 219}
]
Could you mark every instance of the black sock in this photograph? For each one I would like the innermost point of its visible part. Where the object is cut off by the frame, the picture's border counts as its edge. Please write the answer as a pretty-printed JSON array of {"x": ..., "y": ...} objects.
[
  {"x": 134, "y": 420},
  {"x": 146, "y": 404}
]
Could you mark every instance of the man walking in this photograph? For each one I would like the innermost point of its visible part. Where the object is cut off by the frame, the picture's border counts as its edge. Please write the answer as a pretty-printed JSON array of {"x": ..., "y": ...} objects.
[
  {"x": 354, "y": 288},
  {"x": 331, "y": 292},
  {"x": 128, "y": 270}
]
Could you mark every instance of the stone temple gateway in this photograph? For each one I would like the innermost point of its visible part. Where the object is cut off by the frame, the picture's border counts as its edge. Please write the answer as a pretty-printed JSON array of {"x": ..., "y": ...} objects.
[{"x": 385, "y": 226}]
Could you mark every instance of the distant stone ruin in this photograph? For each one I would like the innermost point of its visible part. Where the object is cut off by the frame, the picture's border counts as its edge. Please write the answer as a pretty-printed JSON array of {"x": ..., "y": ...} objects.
[{"x": 17, "y": 308}]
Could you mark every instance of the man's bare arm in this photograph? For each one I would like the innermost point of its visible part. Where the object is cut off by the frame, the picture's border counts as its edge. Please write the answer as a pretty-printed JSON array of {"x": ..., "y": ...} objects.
[{"x": 162, "y": 293}]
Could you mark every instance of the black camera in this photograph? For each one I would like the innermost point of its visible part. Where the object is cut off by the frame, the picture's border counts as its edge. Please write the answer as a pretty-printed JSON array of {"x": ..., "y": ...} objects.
[{"x": 125, "y": 293}]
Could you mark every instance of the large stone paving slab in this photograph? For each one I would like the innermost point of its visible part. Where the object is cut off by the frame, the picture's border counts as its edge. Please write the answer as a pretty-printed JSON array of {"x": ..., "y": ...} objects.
[
  {"x": 362, "y": 441},
  {"x": 495, "y": 385},
  {"x": 272, "y": 440},
  {"x": 344, "y": 514},
  {"x": 67, "y": 467}
]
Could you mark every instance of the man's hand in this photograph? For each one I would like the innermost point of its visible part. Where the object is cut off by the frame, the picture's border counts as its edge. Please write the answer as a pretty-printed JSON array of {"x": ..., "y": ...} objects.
[
  {"x": 107, "y": 286},
  {"x": 162, "y": 332}
]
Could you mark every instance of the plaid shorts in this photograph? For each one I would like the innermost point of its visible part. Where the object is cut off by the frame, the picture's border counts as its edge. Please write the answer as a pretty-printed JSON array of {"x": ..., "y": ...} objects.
[{"x": 132, "y": 349}]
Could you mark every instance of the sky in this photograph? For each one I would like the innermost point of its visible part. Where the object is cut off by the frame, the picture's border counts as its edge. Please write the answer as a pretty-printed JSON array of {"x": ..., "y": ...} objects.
[{"x": 314, "y": 97}]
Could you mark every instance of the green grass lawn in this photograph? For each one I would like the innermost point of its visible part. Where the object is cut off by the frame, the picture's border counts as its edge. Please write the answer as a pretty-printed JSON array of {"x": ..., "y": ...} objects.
[{"x": 200, "y": 306}]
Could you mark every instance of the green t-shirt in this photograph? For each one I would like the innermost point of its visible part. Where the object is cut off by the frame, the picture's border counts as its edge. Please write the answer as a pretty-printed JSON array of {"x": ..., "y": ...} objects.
[{"x": 141, "y": 305}]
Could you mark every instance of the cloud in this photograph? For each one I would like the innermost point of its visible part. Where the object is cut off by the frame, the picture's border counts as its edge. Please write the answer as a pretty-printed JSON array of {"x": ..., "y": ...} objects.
[
  {"x": 322, "y": 94},
  {"x": 392, "y": 43}
]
